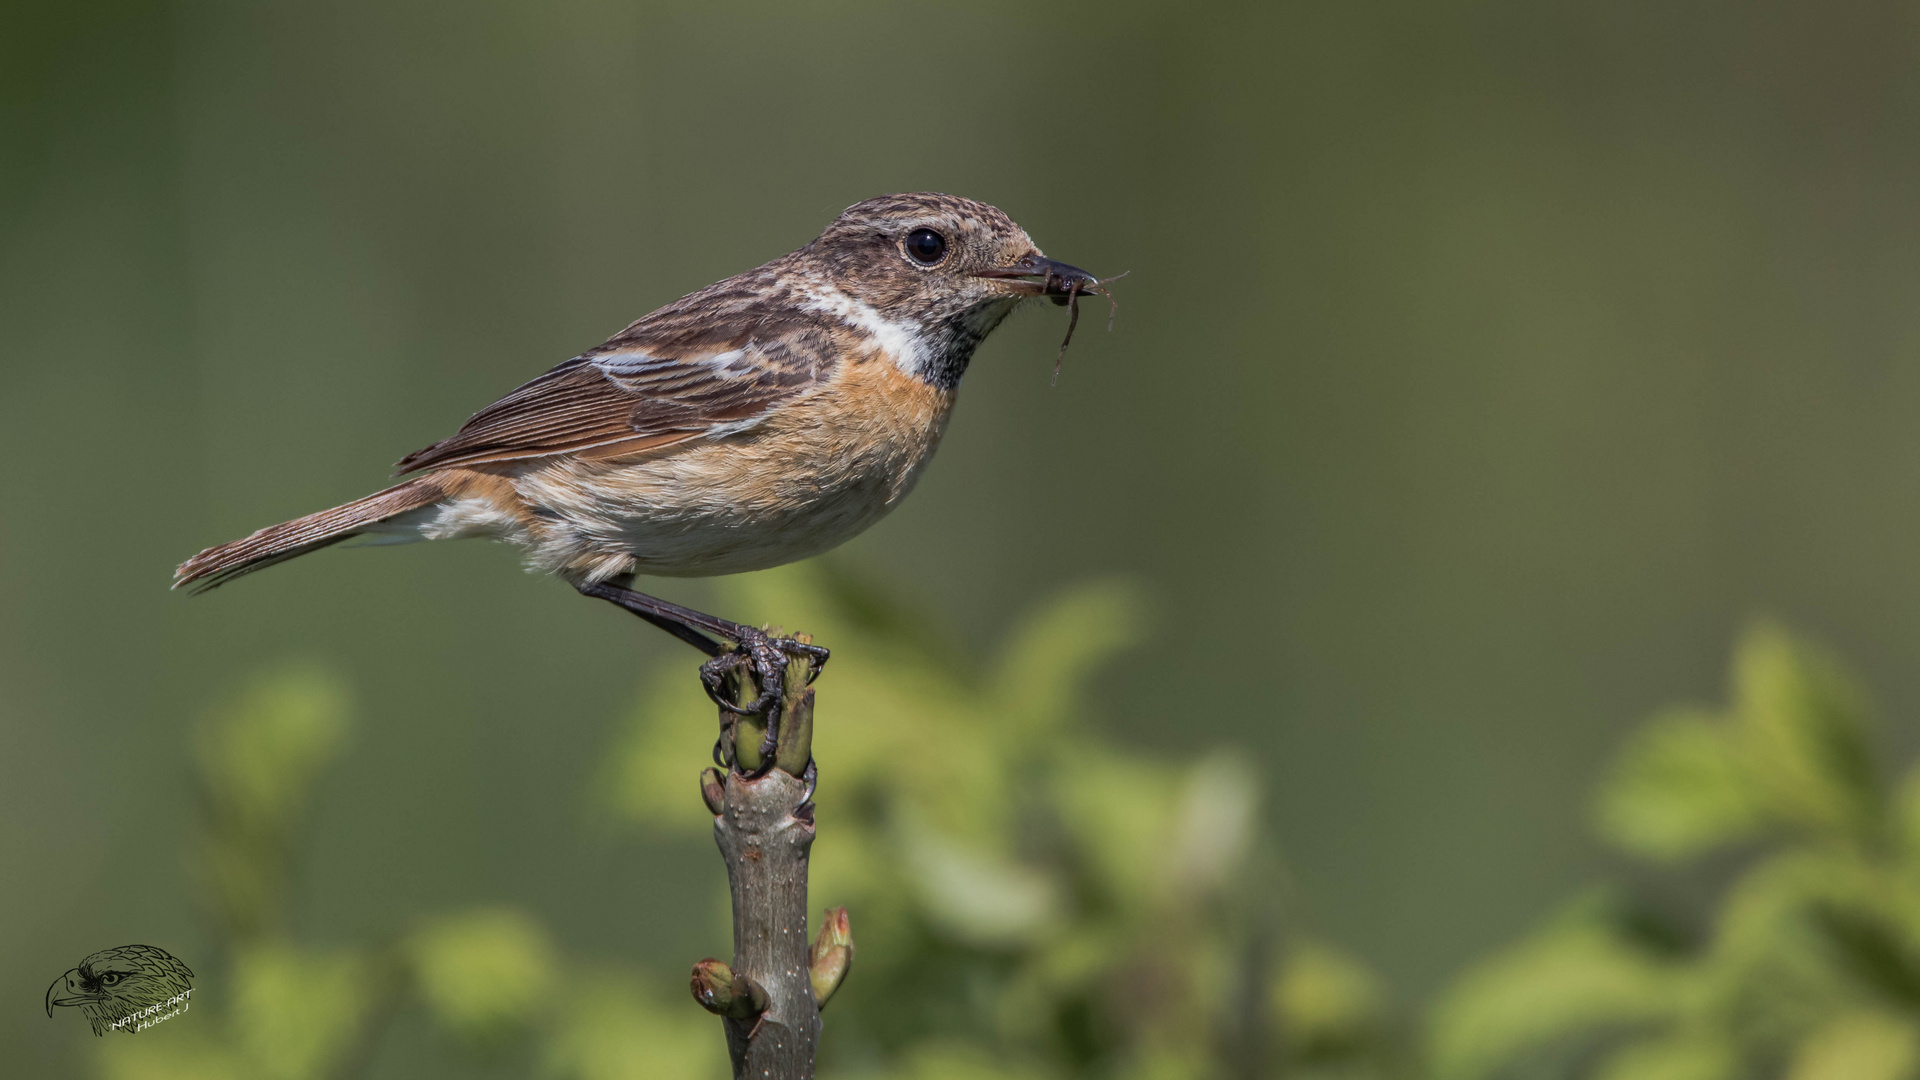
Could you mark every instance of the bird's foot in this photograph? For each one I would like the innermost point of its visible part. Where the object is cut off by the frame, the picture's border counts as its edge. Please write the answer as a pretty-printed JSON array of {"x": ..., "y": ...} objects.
[{"x": 764, "y": 659}]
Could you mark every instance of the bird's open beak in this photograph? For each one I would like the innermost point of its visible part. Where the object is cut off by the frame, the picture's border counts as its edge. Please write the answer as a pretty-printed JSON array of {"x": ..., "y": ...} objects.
[
  {"x": 1037, "y": 275},
  {"x": 65, "y": 991}
]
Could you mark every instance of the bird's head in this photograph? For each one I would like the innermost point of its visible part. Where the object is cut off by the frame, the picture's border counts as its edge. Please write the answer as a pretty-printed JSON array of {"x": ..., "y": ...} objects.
[
  {"x": 943, "y": 268},
  {"x": 113, "y": 984}
]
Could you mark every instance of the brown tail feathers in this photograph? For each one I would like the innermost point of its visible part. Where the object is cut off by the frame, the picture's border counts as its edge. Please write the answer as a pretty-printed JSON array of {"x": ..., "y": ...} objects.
[{"x": 277, "y": 543}]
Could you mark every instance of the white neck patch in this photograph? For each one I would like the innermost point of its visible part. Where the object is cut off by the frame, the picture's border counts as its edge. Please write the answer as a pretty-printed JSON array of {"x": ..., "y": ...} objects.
[{"x": 903, "y": 340}]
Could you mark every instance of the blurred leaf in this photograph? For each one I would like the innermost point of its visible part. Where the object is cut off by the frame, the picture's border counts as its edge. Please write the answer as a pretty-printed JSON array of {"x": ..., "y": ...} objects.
[
  {"x": 1045, "y": 663},
  {"x": 1687, "y": 1056},
  {"x": 1120, "y": 811},
  {"x": 1324, "y": 996},
  {"x": 974, "y": 896},
  {"x": 942, "y": 1060},
  {"x": 611, "y": 1028},
  {"x": 1875, "y": 950},
  {"x": 1906, "y": 821},
  {"x": 1215, "y": 824},
  {"x": 294, "y": 1011},
  {"x": 1572, "y": 978},
  {"x": 879, "y": 613},
  {"x": 260, "y": 752},
  {"x": 258, "y": 756},
  {"x": 1802, "y": 732},
  {"x": 243, "y": 881},
  {"x": 484, "y": 972},
  {"x": 1184, "y": 1060},
  {"x": 1061, "y": 966},
  {"x": 1678, "y": 789},
  {"x": 1859, "y": 1046},
  {"x": 1773, "y": 970},
  {"x": 186, "y": 1053},
  {"x": 652, "y": 771}
]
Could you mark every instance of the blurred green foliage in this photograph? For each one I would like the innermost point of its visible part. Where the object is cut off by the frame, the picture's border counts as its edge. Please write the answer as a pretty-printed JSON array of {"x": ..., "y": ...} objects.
[
  {"x": 1032, "y": 901},
  {"x": 1810, "y": 969},
  {"x": 258, "y": 757},
  {"x": 1028, "y": 898},
  {"x": 276, "y": 1008}
]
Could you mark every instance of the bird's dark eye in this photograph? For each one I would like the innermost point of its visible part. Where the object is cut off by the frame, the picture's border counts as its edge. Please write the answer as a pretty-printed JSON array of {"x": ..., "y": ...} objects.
[
  {"x": 926, "y": 246},
  {"x": 110, "y": 978}
]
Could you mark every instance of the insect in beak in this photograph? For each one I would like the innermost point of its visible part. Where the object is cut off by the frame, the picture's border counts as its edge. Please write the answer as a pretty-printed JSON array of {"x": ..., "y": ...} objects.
[{"x": 1059, "y": 282}]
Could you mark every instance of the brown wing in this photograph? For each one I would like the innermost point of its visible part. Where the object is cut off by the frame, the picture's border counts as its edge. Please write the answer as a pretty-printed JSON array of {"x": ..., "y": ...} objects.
[{"x": 626, "y": 397}]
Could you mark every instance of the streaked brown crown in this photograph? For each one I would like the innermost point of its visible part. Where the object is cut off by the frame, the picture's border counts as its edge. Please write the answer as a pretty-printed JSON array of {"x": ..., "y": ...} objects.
[{"x": 865, "y": 252}]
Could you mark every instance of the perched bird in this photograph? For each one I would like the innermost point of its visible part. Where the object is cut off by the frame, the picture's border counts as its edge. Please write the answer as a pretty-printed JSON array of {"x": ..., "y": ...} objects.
[
  {"x": 761, "y": 420},
  {"x": 114, "y": 984}
]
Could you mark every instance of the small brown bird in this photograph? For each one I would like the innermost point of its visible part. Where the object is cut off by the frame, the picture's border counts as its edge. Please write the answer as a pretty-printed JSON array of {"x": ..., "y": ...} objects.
[{"x": 761, "y": 420}]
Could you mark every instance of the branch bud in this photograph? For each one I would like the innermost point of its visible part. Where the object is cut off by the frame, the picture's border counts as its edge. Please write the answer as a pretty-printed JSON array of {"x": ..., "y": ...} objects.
[
  {"x": 796, "y": 722},
  {"x": 742, "y": 733},
  {"x": 722, "y": 992},
  {"x": 713, "y": 790},
  {"x": 832, "y": 955}
]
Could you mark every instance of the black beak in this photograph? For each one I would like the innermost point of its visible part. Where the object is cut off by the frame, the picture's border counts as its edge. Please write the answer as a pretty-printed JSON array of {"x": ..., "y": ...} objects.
[{"x": 1054, "y": 278}]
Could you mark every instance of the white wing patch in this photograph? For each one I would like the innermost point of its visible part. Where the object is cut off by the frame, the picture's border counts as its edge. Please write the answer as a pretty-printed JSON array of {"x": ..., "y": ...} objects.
[
  {"x": 639, "y": 368},
  {"x": 732, "y": 364}
]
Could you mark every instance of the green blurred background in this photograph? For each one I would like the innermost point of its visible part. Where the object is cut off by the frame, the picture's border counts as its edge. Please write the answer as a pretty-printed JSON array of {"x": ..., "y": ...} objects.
[{"x": 1483, "y": 368}]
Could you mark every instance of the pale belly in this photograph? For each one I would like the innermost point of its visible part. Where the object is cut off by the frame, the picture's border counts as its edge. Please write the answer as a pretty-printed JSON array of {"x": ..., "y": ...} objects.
[{"x": 808, "y": 479}]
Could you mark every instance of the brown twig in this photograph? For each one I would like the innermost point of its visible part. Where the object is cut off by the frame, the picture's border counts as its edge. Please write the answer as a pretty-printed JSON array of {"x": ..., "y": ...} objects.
[{"x": 764, "y": 827}]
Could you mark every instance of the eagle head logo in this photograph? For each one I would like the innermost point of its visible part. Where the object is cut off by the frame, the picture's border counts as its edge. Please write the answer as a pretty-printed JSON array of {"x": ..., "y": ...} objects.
[{"x": 113, "y": 986}]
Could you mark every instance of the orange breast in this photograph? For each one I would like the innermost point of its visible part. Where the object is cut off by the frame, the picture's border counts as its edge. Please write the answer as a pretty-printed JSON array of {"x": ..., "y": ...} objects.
[{"x": 812, "y": 475}]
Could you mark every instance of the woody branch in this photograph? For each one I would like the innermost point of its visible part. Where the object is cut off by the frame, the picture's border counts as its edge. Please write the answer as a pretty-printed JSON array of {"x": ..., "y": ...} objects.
[{"x": 769, "y": 997}]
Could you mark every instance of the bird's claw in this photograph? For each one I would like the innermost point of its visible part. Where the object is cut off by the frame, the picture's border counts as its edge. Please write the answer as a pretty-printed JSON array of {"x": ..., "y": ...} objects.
[
  {"x": 767, "y": 656},
  {"x": 812, "y": 779},
  {"x": 816, "y": 655}
]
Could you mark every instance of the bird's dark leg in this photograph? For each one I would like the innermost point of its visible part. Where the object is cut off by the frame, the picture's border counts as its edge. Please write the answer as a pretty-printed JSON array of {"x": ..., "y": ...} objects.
[
  {"x": 683, "y": 623},
  {"x": 749, "y": 645}
]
